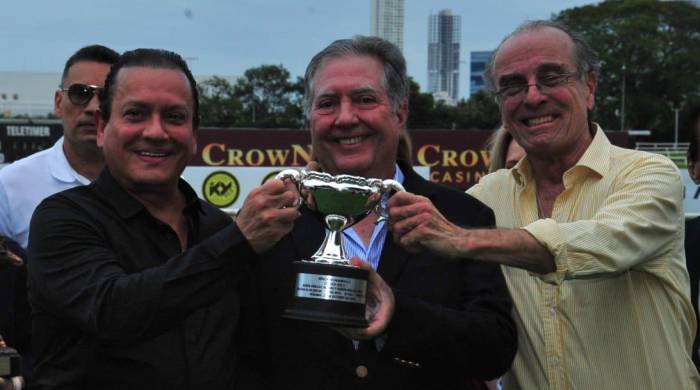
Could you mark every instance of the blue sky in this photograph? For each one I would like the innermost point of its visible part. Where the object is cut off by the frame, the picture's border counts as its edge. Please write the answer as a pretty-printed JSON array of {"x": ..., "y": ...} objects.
[{"x": 230, "y": 36}]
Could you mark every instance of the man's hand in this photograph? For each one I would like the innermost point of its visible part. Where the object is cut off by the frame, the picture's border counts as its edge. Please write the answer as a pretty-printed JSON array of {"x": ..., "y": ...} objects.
[
  {"x": 380, "y": 306},
  {"x": 7, "y": 258},
  {"x": 268, "y": 214},
  {"x": 416, "y": 225}
]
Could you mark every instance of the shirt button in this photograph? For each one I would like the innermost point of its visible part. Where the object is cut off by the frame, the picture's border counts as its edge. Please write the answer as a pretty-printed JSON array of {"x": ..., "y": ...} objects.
[{"x": 361, "y": 371}]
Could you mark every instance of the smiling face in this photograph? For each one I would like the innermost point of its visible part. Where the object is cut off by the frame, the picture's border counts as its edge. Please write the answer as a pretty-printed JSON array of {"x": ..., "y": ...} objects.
[
  {"x": 552, "y": 122},
  {"x": 150, "y": 136},
  {"x": 354, "y": 129}
]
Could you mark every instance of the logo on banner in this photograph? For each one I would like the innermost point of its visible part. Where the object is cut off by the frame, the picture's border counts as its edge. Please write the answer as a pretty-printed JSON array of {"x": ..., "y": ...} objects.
[{"x": 220, "y": 189}]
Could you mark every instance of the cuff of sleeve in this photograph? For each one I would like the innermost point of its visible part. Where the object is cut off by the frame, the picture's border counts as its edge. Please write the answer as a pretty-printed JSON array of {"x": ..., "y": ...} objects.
[
  {"x": 231, "y": 239},
  {"x": 548, "y": 234}
]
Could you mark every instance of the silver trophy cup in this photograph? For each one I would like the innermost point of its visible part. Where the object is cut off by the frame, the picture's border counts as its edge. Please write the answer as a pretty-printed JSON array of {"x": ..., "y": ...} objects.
[{"x": 328, "y": 288}]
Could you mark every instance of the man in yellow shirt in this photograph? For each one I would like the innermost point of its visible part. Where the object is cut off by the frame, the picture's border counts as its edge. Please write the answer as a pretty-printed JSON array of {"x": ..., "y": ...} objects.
[{"x": 590, "y": 235}]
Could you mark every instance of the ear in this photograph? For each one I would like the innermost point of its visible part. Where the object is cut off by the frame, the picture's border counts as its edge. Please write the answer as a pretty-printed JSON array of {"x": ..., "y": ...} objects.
[
  {"x": 100, "y": 125},
  {"x": 57, "y": 99},
  {"x": 591, "y": 83},
  {"x": 195, "y": 131},
  {"x": 402, "y": 114}
]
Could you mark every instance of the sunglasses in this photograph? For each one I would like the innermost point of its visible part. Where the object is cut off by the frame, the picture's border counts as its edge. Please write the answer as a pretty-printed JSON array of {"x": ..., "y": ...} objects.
[{"x": 81, "y": 94}]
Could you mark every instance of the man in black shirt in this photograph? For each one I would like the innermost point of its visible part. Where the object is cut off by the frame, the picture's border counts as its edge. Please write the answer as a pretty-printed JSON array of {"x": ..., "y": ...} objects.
[{"x": 133, "y": 280}]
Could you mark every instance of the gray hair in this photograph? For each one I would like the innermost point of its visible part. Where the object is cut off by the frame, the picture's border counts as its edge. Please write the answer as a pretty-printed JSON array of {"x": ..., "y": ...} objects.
[
  {"x": 585, "y": 58},
  {"x": 395, "y": 80}
]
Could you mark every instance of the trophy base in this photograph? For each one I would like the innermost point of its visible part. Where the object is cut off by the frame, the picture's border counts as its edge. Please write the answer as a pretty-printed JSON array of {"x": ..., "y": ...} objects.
[
  {"x": 330, "y": 294},
  {"x": 10, "y": 363}
]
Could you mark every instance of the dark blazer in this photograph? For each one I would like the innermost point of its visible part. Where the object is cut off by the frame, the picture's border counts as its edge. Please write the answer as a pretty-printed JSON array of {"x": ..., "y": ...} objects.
[
  {"x": 452, "y": 321},
  {"x": 692, "y": 261}
]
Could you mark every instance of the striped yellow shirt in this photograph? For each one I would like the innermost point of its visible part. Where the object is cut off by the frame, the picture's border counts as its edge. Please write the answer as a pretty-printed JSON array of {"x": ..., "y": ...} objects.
[{"x": 616, "y": 313}]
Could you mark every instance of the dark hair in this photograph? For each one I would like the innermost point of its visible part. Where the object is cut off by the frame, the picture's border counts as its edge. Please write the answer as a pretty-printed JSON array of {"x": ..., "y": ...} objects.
[
  {"x": 93, "y": 53},
  {"x": 149, "y": 58},
  {"x": 693, "y": 130},
  {"x": 395, "y": 80},
  {"x": 585, "y": 58}
]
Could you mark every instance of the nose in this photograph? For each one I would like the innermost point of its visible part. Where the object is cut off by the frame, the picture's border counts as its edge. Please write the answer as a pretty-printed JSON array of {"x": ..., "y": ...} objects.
[
  {"x": 533, "y": 95},
  {"x": 92, "y": 105},
  {"x": 154, "y": 129},
  {"x": 347, "y": 117}
]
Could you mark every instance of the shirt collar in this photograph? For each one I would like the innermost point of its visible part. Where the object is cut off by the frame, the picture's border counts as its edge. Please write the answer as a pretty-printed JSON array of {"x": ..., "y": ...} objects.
[
  {"x": 60, "y": 167},
  {"x": 596, "y": 158},
  {"x": 128, "y": 206}
]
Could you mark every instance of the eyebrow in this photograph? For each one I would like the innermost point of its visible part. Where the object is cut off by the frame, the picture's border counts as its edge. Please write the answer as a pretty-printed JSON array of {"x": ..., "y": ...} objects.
[
  {"x": 545, "y": 67},
  {"x": 356, "y": 91}
]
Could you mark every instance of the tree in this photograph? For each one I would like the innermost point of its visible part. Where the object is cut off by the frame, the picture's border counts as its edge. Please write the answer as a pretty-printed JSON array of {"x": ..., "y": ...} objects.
[
  {"x": 479, "y": 112},
  {"x": 420, "y": 107},
  {"x": 270, "y": 98},
  {"x": 217, "y": 104},
  {"x": 263, "y": 97},
  {"x": 650, "y": 47}
]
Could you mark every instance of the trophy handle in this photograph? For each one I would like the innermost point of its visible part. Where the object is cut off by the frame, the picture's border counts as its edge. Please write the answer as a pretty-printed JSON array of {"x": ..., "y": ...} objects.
[
  {"x": 292, "y": 174},
  {"x": 387, "y": 186}
]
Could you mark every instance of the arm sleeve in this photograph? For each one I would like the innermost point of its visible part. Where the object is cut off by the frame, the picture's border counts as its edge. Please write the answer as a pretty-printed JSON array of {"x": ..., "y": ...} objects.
[
  {"x": 475, "y": 336},
  {"x": 640, "y": 219},
  {"x": 76, "y": 276}
]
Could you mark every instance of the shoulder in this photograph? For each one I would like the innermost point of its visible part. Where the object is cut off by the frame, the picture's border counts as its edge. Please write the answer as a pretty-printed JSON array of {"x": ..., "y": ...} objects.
[
  {"x": 495, "y": 181},
  {"x": 459, "y": 206},
  {"x": 635, "y": 159},
  {"x": 78, "y": 197},
  {"x": 26, "y": 168}
]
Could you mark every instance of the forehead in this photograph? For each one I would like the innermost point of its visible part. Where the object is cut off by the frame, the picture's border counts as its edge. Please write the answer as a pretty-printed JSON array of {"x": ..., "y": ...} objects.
[
  {"x": 348, "y": 73},
  {"x": 87, "y": 72},
  {"x": 532, "y": 49},
  {"x": 157, "y": 85}
]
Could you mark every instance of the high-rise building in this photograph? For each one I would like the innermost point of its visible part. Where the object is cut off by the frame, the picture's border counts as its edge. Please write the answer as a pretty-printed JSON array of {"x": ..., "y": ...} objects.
[
  {"x": 387, "y": 21},
  {"x": 444, "y": 32},
  {"x": 477, "y": 66}
]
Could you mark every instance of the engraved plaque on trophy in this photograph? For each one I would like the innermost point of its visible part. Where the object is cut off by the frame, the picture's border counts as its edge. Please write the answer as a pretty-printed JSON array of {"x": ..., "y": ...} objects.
[{"x": 328, "y": 288}]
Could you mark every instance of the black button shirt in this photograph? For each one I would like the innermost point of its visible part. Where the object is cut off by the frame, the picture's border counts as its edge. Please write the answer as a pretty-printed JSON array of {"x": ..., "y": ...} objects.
[{"x": 115, "y": 302}]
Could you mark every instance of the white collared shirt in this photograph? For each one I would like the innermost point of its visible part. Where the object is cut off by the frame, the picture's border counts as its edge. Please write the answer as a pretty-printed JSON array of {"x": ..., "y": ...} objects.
[{"x": 26, "y": 182}]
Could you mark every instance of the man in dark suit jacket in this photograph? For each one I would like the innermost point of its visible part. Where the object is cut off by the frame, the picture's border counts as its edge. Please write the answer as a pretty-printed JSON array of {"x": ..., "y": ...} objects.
[{"x": 451, "y": 321}]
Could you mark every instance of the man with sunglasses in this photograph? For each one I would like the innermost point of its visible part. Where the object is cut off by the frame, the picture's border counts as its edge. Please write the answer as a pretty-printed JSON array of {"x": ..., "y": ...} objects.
[
  {"x": 590, "y": 235},
  {"x": 73, "y": 160}
]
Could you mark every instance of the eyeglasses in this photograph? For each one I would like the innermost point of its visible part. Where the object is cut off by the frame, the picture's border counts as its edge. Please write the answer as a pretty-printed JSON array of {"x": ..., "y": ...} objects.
[
  {"x": 544, "y": 84},
  {"x": 81, "y": 94}
]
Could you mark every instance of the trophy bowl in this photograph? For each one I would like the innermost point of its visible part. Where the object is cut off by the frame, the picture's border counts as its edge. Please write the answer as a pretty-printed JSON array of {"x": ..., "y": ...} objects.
[{"x": 328, "y": 288}]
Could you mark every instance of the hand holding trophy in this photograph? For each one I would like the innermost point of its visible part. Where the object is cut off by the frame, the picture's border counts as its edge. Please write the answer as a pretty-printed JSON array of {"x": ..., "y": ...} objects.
[{"x": 328, "y": 288}]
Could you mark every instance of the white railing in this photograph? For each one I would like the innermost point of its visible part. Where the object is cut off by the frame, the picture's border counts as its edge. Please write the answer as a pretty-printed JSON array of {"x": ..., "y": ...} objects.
[{"x": 660, "y": 147}]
